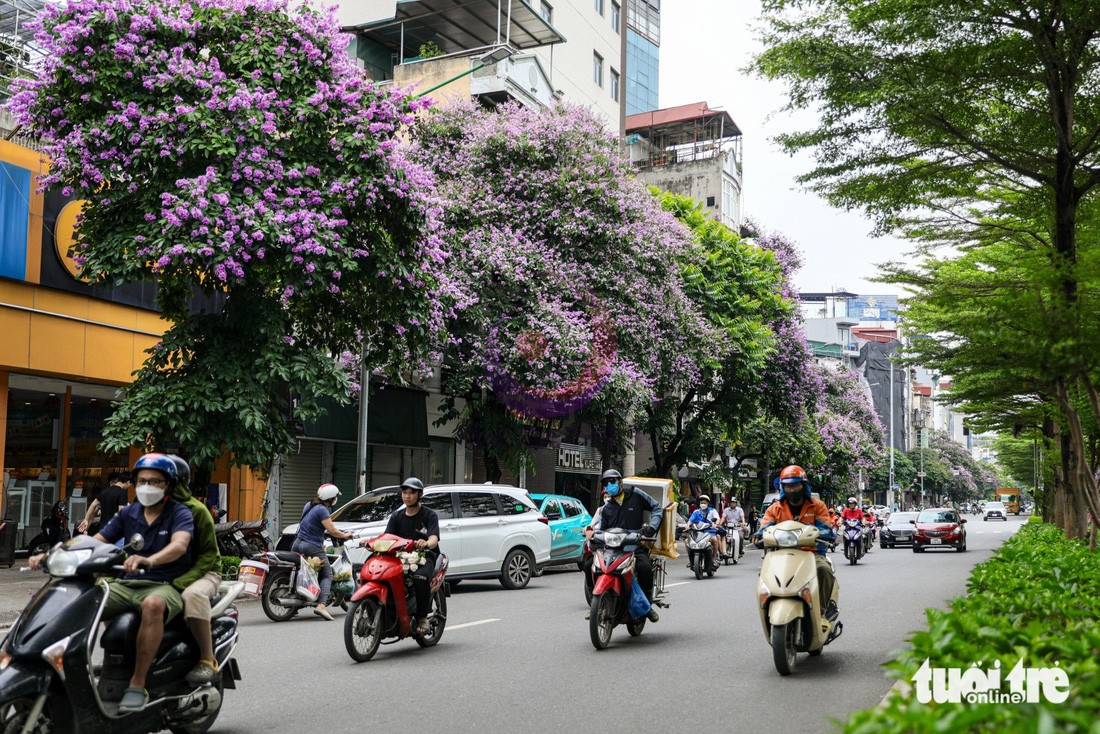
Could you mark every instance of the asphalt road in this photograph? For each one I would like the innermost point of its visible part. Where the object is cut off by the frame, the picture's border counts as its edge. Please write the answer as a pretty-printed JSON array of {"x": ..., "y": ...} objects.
[{"x": 522, "y": 660}]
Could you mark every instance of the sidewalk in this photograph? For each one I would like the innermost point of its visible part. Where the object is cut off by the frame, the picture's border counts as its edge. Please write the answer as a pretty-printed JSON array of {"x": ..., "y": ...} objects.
[{"x": 16, "y": 589}]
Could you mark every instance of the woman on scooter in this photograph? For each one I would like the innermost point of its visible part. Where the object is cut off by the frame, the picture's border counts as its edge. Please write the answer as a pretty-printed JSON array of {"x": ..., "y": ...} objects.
[
  {"x": 421, "y": 524},
  {"x": 310, "y": 541}
]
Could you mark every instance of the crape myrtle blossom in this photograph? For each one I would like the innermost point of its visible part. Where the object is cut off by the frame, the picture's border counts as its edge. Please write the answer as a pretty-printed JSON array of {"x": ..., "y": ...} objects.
[
  {"x": 567, "y": 264},
  {"x": 849, "y": 430},
  {"x": 232, "y": 147}
]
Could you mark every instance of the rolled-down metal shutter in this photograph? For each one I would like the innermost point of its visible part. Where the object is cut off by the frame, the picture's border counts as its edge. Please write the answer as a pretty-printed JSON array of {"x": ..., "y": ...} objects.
[{"x": 301, "y": 475}]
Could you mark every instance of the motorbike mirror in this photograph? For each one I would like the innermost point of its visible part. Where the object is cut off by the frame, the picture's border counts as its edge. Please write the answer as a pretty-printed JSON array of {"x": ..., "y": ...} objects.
[
  {"x": 912, "y": 522},
  {"x": 136, "y": 542}
]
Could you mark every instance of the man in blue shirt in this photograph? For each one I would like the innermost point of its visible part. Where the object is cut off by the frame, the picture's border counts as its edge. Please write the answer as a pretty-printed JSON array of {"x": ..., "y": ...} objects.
[{"x": 166, "y": 526}]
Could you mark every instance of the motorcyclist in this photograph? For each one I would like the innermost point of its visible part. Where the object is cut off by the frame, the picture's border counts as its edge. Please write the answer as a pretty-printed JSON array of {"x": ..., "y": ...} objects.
[
  {"x": 420, "y": 524},
  {"x": 705, "y": 513},
  {"x": 734, "y": 518},
  {"x": 796, "y": 502},
  {"x": 310, "y": 541},
  {"x": 624, "y": 510},
  {"x": 852, "y": 511}
]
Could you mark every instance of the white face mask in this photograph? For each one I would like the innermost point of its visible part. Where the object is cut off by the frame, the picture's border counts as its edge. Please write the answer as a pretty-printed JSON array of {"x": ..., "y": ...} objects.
[{"x": 148, "y": 495}]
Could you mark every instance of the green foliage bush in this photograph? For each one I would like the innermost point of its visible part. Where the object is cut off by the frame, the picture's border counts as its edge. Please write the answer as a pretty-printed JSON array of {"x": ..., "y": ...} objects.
[
  {"x": 1038, "y": 597},
  {"x": 230, "y": 566}
]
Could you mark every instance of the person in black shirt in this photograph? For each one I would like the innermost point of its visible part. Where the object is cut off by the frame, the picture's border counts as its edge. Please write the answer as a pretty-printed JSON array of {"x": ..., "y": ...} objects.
[
  {"x": 625, "y": 510},
  {"x": 107, "y": 503},
  {"x": 420, "y": 524}
]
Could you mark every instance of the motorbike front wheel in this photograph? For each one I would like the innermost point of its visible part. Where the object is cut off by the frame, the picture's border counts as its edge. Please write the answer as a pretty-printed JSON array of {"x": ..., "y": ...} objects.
[
  {"x": 437, "y": 620},
  {"x": 784, "y": 646},
  {"x": 54, "y": 718},
  {"x": 698, "y": 565},
  {"x": 278, "y": 587},
  {"x": 853, "y": 553},
  {"x": 363, "y": 629},
  {"x": 601, "y": 618},
  {"x": 635, "y": 626}
]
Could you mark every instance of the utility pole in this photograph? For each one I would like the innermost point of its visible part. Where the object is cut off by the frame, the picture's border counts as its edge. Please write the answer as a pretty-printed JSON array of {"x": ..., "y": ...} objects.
[{"x": 890, "y": 488}]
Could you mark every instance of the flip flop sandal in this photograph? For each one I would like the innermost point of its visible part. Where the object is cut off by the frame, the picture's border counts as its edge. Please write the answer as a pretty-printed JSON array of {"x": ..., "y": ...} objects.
[{"x": 134, "y": 699}]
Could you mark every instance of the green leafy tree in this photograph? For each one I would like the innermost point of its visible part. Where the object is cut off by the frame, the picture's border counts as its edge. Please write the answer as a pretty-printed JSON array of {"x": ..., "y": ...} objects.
[
  {"x": 231, "y": 151},
  {"x": 972, "y": 124}
]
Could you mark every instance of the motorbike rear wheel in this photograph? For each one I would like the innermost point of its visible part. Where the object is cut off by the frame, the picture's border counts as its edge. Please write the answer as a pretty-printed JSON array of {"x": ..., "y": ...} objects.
[
  {"x": 784, "y": 650},
  {"x": 437, "y": 620},
  {"x": 276, "y": 588},
  {"x": 601, "y": 618},
  {"x": 363, "y": 629},
  {"x": 202, "y": 724}
]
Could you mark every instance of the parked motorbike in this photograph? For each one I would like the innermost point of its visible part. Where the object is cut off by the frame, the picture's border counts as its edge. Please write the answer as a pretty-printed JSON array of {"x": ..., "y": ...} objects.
[
  {"x": 49, "y": 681},
  {"x": 699, "y": 548},
  {"x": 853, "y": 536},
  {"x": 231, "y": 541},
  {"x": 255, "y": 537},
  {"x": 384, "y": 605},
  {"x": 55, "y": 529},
  {"x": 280, "y": 597},
  {"x": 613, "y": 569},
  {"x": 792, "y": 611}
]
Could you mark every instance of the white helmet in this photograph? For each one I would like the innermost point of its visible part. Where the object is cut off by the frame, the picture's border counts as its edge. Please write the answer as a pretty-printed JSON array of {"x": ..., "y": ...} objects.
[
  {"x": 327, "y": 492},
  {"x": 851, "y": 500}
]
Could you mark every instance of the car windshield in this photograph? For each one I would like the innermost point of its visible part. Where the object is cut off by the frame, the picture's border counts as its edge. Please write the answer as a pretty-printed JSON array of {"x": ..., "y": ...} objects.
[
  {"x": 902, "y": 518},
  {"x": 937, "y": 516},
  {"x": 994, "y": 506},
  {"x": 371, "y": 508}
]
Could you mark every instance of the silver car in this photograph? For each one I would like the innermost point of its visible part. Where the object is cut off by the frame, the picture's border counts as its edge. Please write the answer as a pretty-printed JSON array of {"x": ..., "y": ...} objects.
[
  {"x": 486, "y": 530},
  {"x": 897, "y": 530}
]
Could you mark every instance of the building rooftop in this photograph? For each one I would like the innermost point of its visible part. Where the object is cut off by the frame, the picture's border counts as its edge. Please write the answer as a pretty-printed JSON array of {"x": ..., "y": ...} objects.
[{"x": 675, "y": 118}]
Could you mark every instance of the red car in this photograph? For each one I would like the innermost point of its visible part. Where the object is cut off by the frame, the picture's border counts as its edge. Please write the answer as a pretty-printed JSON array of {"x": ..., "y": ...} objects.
[{"x": 940, "y": 527}]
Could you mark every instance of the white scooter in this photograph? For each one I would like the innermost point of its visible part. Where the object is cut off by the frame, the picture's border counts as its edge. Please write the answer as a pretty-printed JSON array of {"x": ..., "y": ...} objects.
[{"x": 791, "y": 609}]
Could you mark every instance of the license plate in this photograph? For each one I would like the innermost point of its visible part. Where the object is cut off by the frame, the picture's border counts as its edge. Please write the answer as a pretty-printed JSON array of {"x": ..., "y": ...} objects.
[{"x": 935, "y": 541}]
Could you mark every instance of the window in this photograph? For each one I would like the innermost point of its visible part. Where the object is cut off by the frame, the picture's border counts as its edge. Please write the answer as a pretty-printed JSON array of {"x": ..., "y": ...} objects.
[
  {"x": 477, "y": 504},
  {"x": 597, "y": 69},
  {"x": 616, "y": 14},
  {"x": 572, "y": 508},
  {"x": 441, "y": 503},
  {"x": 597, "y": 5},
  {"x": 614, "y": 85},
  {"x": 710, "y": 201},
  {"x": 546, "y": 11},
  {"x": 552, "y": 510}
]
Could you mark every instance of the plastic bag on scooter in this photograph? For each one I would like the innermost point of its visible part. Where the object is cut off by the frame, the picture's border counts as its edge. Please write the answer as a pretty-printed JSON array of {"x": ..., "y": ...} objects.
[
  {"x": 308, "y": 586},
  {"x": 639, "y": 605},
  {"x": 341, "y": 576}
]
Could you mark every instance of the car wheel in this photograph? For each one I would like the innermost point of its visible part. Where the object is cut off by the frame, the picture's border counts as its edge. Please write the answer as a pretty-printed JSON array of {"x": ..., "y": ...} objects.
[
  {"x": 961, "y": 548},
  {"x": 517, "y": 569},
  {"x": 916, "y": 548}
]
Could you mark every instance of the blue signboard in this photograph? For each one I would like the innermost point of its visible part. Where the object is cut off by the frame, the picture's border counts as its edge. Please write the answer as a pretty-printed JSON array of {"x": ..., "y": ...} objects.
[{"x": 873, "y": 308}]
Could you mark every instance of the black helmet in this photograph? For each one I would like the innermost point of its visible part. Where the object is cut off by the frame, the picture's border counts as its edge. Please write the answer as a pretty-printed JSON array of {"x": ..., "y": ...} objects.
[
  {"x": 413, "y": 483},
  {"x": 611, "y": 475},
  {"x": 183, "y": 470}
]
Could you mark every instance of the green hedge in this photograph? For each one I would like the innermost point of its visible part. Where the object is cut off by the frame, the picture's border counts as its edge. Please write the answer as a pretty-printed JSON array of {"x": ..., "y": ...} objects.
[
  {"x": 230, "y": 567},
  {"x": 1038, "y": 597}
]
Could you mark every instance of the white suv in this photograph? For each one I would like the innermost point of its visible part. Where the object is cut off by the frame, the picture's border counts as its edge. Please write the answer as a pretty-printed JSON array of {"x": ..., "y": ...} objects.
[{"x": 486, "y": 530}]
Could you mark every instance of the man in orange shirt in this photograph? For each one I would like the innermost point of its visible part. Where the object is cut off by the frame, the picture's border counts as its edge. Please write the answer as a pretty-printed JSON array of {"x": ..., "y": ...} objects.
[{"x": 796, "y": 502}]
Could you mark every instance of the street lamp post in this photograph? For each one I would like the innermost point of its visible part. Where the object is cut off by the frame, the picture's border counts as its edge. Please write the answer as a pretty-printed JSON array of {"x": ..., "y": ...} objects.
[
  {"x": 890, "y": 487},
  {"x": 498, "y": 54}
]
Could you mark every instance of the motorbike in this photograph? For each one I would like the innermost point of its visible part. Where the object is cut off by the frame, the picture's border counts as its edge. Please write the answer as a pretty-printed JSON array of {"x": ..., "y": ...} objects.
[
  {"x": 853, "y": 540},
  {"x": 55, "y": 529},
  {"x": 52, "y": 680},
  {"x": 384, "y": 605},
  {"x": 613, "y": 570},
  {"x": 255, "y": 537},
  {"x": 231, "y": 541},
  {"x": 280, "y": 597},
  {"x": 868, "y": 537},
  {"x": 792, "y": 612},
  {"x": 699, "y": 548},
  {"x": 587, "y": 562},
  {"x": 735, "y": 544}
]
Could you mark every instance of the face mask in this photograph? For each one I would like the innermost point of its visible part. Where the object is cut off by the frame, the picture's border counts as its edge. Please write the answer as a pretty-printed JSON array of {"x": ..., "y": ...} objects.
[
  {"x": 703, "y": 507},
  {"x": 796, "y": 496},
  {"x": 148, "y": 495},
  {"x": 612, "y": 489}
]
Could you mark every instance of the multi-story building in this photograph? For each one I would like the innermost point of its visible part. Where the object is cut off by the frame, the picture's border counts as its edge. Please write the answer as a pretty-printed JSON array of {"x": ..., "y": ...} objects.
[
  {"x": 643, "y": 45},
  {"x": 561, "y": 50},
  {"x": 691, "y": 150}
]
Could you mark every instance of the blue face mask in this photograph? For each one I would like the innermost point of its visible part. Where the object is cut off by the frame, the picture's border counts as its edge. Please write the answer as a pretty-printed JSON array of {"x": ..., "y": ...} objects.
[{"x": 612, "y": 489}]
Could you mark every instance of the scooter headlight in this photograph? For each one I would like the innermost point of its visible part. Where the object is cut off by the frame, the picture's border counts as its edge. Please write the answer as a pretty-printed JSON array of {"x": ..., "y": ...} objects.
[
  {"x": 61, "y": 562},
  {"x": 614, "y": 540},
  {"x": 787, "y": 538}
]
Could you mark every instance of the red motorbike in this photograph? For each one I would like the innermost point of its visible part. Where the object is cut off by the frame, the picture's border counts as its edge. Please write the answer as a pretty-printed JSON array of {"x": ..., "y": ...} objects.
[
  {"x": 613, "y": 571},
  {"x": 384, "y": 605}
]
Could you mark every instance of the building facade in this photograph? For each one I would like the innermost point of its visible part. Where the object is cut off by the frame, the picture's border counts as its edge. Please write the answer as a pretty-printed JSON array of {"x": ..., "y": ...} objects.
[{"x": 643, "y": 47}]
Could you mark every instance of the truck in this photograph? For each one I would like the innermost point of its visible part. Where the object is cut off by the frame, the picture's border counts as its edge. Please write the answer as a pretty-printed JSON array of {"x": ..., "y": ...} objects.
[{"x": 1010, "y": 497}]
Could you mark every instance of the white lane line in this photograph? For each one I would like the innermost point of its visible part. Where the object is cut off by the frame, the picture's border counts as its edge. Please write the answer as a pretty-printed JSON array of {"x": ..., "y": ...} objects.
[
  {"x": 678, "y": 583},
  {"x": 470, "y": 624}
]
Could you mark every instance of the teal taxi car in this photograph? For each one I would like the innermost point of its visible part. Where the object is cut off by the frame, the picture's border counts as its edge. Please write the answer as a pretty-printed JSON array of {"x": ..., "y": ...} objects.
[{"x": 568, "y": 518}]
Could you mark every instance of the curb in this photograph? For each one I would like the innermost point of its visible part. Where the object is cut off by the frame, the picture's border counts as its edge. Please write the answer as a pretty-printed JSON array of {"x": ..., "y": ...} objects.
[{"x": 901, "y": 688}]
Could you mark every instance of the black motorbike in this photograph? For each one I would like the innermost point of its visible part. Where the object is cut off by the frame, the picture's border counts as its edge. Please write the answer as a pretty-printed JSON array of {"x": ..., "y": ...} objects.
[
  {"x": 53, "y": 680},
  {"x": 231, "y": 541},
  {"x": 55, "y": 529}
]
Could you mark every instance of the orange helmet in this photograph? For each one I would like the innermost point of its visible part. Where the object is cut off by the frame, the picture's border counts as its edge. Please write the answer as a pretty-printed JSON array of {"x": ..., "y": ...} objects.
[{"x": 793, "y": 474}]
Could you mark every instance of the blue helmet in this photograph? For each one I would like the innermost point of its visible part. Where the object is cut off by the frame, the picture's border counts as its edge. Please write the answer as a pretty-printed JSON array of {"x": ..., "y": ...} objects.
[{"x": 162, "y": 463}]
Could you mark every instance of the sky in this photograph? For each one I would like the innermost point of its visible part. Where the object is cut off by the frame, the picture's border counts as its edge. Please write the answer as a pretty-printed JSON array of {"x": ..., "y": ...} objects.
[{"x": 705, "y": 45}]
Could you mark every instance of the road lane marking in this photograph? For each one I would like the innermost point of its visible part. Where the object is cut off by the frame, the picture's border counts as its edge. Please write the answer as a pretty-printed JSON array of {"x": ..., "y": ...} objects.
[
  {"x": 678, "y": 583},
  {"x": 470, "y": 624}
]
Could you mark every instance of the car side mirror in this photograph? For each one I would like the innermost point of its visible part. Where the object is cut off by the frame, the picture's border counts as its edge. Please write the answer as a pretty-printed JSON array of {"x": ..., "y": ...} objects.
[
  {"x": 962, "y": 521},
  {"x": 912, "y": 522}
]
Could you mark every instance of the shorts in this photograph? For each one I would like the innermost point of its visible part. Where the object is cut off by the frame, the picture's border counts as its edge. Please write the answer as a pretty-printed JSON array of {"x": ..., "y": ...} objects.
[
  {"x": 197, "y": 596},
  {"x": 722, "y": 532},
  {"x": 126, "y": 595}
]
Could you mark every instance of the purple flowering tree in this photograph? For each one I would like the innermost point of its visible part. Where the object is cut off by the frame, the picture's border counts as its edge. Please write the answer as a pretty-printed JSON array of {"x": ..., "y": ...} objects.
[
  {"x": 231, "y": 151},
  {"x": 849, "y": 432},
  {"x": 572, "y": 303}
]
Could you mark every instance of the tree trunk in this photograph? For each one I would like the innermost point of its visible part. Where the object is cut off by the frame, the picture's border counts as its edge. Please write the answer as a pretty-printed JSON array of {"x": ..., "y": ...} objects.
[{"x": 493, "y": 472}]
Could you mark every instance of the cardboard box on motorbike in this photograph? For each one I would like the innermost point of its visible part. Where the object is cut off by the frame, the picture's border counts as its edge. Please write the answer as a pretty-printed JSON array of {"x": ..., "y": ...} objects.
[{"x": 663, "y": 491}]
